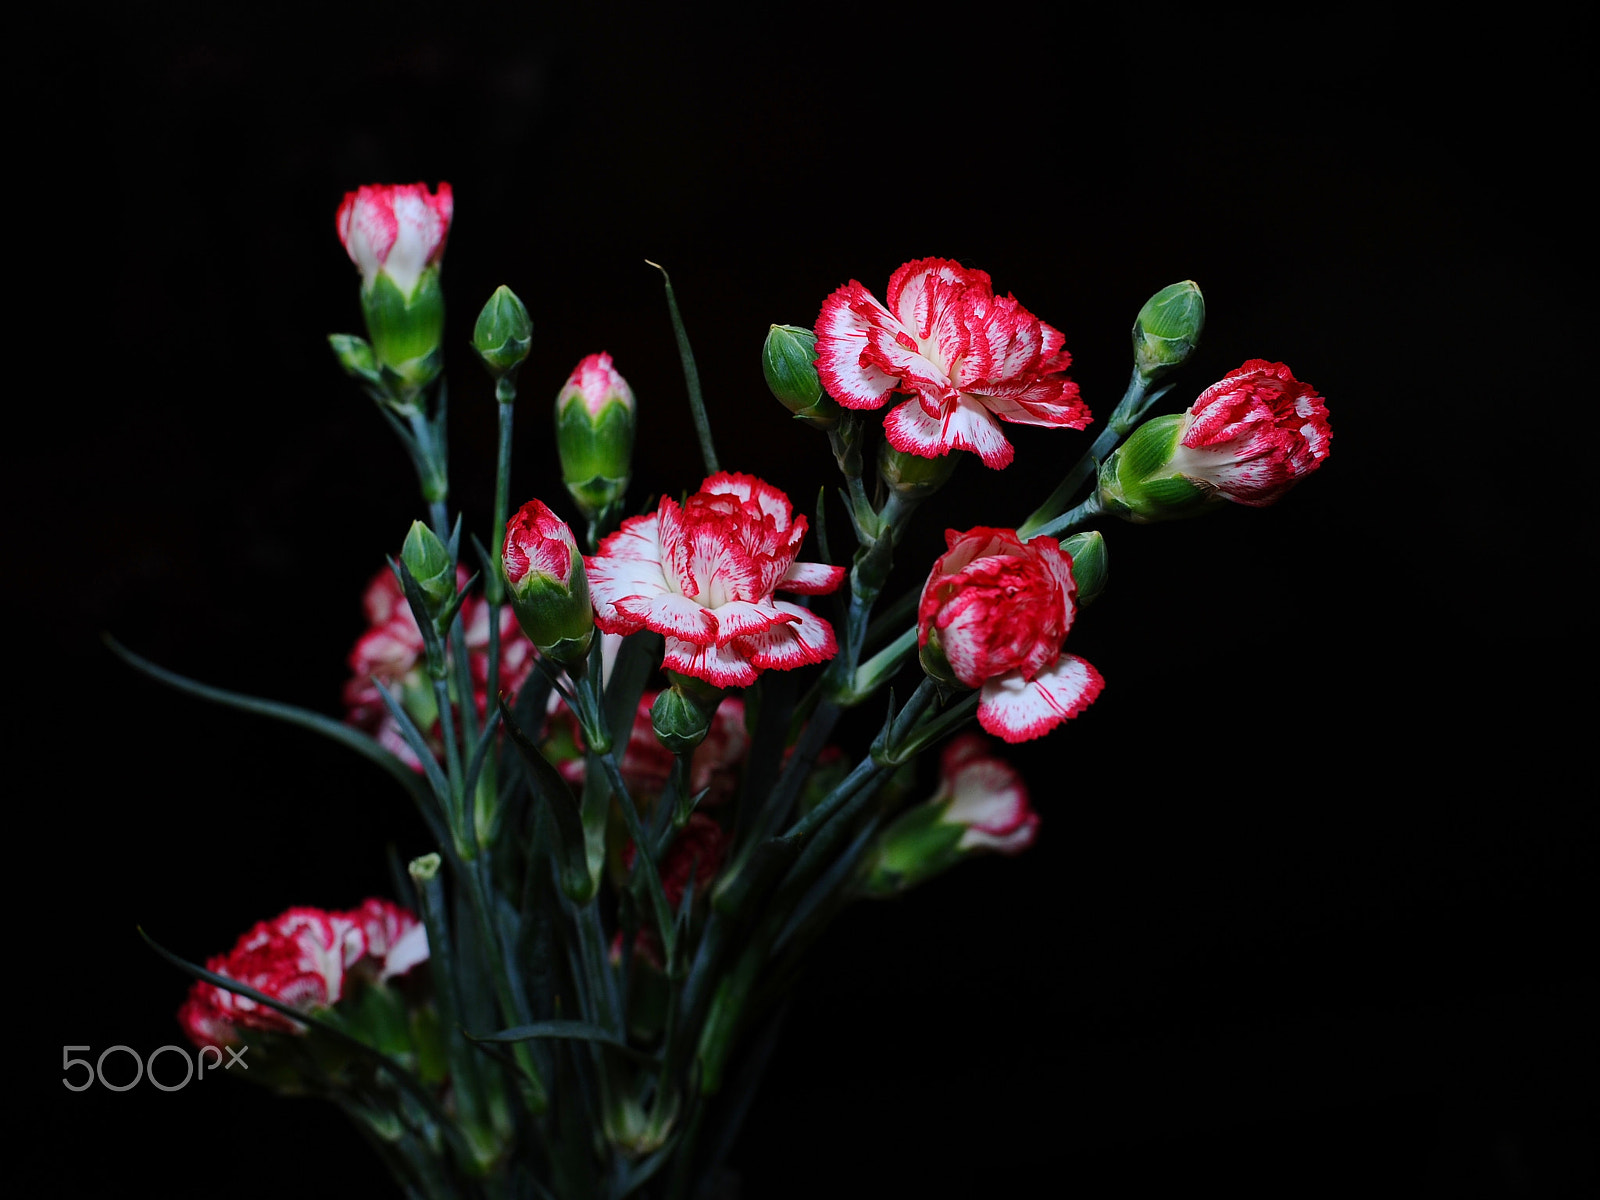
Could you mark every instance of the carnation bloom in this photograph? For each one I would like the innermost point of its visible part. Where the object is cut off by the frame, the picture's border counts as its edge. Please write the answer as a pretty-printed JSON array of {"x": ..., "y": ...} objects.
[
  {"x": 1253, "y": 434},
  {"x": 996, "y": 610},
  {"x": 967, "y": 357},
  {"x": 392, "y": 653},
  {"x": 986, "y": 796},
  {"x": 395, "y": 229},
  {"x": 305, "y": 958},
  {"x": 703, "y": 574}
]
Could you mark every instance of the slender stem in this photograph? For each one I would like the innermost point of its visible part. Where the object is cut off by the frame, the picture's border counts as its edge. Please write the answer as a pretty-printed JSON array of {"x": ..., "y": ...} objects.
[
  {"x": 452, "y": 757},
  {"x": 691, "y": 376},
  {"x": 1135, "y": 402},
  {"x": 494, "y": 592},
  {"x": 435, "y": 480},
  {"x": 1069, "y": 521}
]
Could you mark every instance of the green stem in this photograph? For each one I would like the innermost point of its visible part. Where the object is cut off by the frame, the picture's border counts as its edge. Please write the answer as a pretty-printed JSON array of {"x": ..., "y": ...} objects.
[
  {"x": 1135, "y": 402},
  {"x": 1069, "y": 521}
]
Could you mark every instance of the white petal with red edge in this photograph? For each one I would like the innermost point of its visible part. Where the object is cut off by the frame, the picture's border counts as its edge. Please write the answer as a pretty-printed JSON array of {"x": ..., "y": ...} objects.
[
  {"x": 1019, "y": 710},
  {"x": 407, "y": 952},
  {"x": 744, "y": 618},
  {"x": 671, "y": 614},
  {"x": 842, "y": 329},
  {"x": 987, "y": 794},
  {"x": 811, "y": 579},
  {"x": 912, "y": 431},
  {"x": 613, "y": 580},
  {"x": 1018, "y": 840},
  {"x": 722, "y": 666},
  {"x": 808, "y": 640},
  {"x": 638, "y": 539}
]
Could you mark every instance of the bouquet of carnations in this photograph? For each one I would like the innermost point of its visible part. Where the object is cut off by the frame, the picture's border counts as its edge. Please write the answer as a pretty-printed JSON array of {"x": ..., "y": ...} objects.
[{"x": 623, "y": 741}]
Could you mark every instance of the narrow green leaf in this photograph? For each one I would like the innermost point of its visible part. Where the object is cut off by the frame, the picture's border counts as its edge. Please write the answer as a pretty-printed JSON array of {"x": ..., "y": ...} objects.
[
  {"x": 691, "y": 376},
  {"x": 336, "y": 731}
]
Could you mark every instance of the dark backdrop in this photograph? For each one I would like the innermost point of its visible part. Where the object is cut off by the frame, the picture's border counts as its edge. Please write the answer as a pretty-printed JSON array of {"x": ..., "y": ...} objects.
[{"x": 1304, "y": 915}]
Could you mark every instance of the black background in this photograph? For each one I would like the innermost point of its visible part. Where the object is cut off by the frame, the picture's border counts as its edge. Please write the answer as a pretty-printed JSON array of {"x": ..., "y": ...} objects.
[{"x": 1305, "y": 914}]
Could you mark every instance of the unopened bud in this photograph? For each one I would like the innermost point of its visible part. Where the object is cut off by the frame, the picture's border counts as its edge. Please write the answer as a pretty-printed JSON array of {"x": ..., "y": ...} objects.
[
  {"x": 428, "y": 561},
  {"x": 594, "y": 434},
  {"x": 503, "y": 333},
  {"x": 1167, "y": 329},
  {"x": 548, "y": 588},
  {"x": 681, "y": 715},
  {"x": 911, "y": 475},
  {"x": 356, "y": 357},
  {"x": 788, "y": 360},
  {"x": 1089, "y": 566}
]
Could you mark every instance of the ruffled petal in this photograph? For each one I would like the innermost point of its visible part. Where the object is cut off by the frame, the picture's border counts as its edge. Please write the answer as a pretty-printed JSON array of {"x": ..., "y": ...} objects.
[
  {"x": 671, "y": 614},
  {"x": 968, "y": 426},
  {"x": 1019, "y": 710},
  {"x": 744, "y": 618},
  {"x": 808, "y": 640},
  {"x": 811, "y": 579},
  {"x": 720, "y": 666},
  {"x": 912, "y": 431},
  {"x": 847, "y": 318}
]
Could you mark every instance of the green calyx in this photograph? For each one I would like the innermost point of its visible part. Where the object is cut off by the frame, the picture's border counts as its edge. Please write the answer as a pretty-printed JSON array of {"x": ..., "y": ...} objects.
[
  {"x": 1168, "y": 328},
  {"x": 503, "y": 333},
  {"x": 1138, "y": 483},
  {"x": 934, "y": 663},
  {"x": 405, "y": 331},
  {"x": 596, "y": 453},
  {"x": 916, "y": 847}
]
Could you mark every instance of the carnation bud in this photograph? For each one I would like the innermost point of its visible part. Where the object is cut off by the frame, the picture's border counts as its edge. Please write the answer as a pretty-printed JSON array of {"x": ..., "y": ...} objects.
[
  {"x": 395, "y": 235},
  {"x": 548, "y": 588},
  {"x": 429, "y": 562},
  {"x": 1138, "y": 483},
  {"x": 594, "y": 434},
  {"x": 910, "y": 475},
  {"x": 503, "y": 333},
  {"x": 1089, "y": 567},
  {"x": 1167, "y": 329},
  {"x": 681, "y": 715},
  {"x": 788, "y": 360}
]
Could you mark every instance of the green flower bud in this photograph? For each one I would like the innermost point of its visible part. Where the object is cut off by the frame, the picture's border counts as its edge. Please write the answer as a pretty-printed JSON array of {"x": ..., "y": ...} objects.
[
  {"x": 594, "y": 434},
  {"x": 680, "y": 719},
  {"x": 1089, "y": 567},
  {"x": 428, "y": 561},
  {"x": 1138, "y": 483},
  {"x": 503, "y": 333},
  {"x": 788, "y": 360},
  {"x": 1167, "y": 329},
  {"x": 916, "y": 847},
  {"x": 405, "y": 330},
  {"x": 911, "y": 475}
]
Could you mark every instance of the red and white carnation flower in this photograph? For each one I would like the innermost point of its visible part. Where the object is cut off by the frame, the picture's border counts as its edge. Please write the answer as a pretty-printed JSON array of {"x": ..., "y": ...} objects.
[
  {"x": 395, "y": 229},
  {"x": 987, "y": 796},
  {"x": 704, "y": 574},
  {"x": 968, "y": 358},
  {"x": 996, "y": 610},
  {"x": 305, "y": 958},
  {"x": 1253, "y": 434}
]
